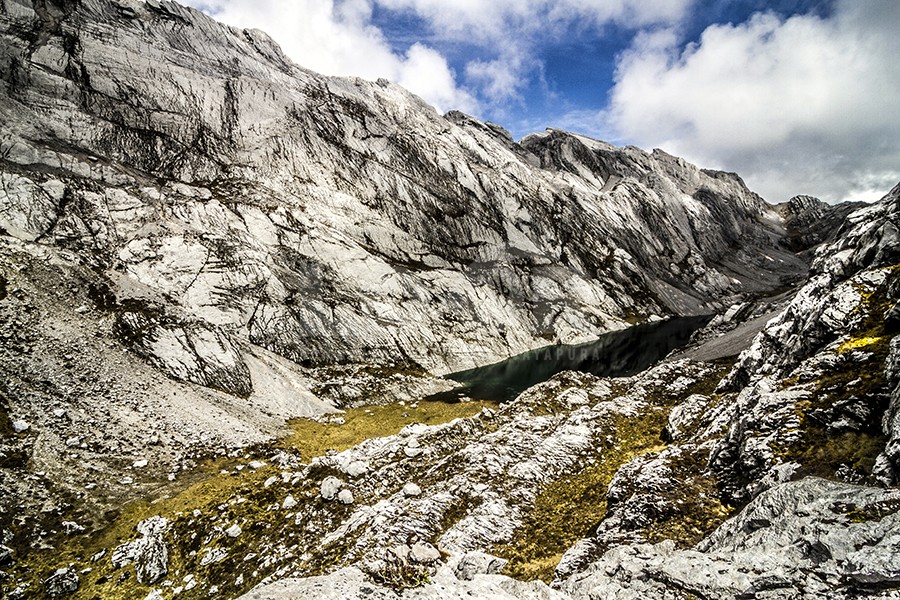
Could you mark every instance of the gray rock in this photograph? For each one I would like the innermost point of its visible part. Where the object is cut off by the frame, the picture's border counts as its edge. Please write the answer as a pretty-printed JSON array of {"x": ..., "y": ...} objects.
[
  {"x": 330, "y": 488},
  {"x": 797, "y": 538},
  {"x": 478, "y": 563},
  {"x": 341, "y": 585},
  {"x": 150, "y": 554},
  {"x": 412, "y": 452},
  {"x": 233, "y": 531},
  {"x": 20, "y": 426},
  {"x": 352, "y": 583},
  {"x": 6, "y": 555},
  {"x": 684, "y": 416},
  {"x": 357, "y": 468},
  {"x": 62, "y": 583},
  {"x": 412, "y": 490},
  {"x": 345, "y": 496},
  {"x": 663, "y": 233},
  {"x": 212, "y": 556},
  {"x": 424, "y": 553},
  {"x": 887, "y": 467}
]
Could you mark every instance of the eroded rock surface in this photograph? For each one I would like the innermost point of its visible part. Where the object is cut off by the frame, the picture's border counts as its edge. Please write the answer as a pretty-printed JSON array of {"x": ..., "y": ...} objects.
[
  {"x": 333, "y": 220},
  {"x": 197, "y": 236}
]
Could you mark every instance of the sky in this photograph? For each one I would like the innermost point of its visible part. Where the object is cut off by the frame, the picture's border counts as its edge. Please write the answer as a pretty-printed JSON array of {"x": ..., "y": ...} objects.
[{"x": 796, "y": 96}]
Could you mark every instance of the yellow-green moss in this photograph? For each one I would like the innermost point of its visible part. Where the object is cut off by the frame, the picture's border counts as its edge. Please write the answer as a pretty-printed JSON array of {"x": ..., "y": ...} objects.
[
  {"x": 314, "y": 438},
  {"x": 820, "y": 451},
  {"x": 875, "y": 511},
  {"x": 860, "y": 342},
  {"x": 567, "y": 510},
  {"x": 223, "y": 494},
  {"x": 695, "y": 500}
]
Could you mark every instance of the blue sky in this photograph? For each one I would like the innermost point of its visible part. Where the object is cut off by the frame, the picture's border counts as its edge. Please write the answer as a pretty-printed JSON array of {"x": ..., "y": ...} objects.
[{"x": 797, "y": 96}]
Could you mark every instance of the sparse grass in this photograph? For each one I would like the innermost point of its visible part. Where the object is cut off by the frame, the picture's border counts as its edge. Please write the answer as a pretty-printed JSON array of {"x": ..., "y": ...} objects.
[
  {"x": 570, "y": 508},
  {"x": 695, "y": 498},
  {"x": 860, "y": 377},
  {"x": 822, "y": 453},
  {"x": 314, "y": 438},
  {"x": 223, "y": 495},
  {"x": 106, "y": 582},
  {"x": 857, "y": 343},
  {"x": 869, "y": 512},
  {"x": 567, "y": 510}
]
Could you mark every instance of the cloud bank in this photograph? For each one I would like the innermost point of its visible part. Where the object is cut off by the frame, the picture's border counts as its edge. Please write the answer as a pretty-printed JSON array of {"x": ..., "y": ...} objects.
[
  {"x": 802, "y": 105},
  {"x": 510, "y": 32}
]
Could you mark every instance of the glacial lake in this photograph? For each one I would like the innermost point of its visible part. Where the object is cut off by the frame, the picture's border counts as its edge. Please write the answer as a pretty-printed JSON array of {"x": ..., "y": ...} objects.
[{"x": 615, "y": 354}]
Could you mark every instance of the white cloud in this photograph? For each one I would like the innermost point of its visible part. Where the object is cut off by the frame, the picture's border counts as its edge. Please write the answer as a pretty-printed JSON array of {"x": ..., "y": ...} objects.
[
  {"x": 494, "y": 20},
  {"x": 509, "y": 31},
  {"x": 803, "y": 105},
  {"x": 499, "y": 79},
  {"x": 337, "y": 38}
]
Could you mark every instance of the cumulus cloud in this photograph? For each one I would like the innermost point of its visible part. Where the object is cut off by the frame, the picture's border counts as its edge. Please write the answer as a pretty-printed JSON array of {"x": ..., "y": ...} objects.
[
  {"x": 337, "y": 38},
  {"x": 798, "y": 105},
  {"x": 493, "y": 20},
  {"x": 511, "y": 30}
]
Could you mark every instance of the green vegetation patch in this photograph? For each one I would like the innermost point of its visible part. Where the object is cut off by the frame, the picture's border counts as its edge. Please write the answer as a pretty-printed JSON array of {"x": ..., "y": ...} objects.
[
  {"x": 858, "y": 378},
  {"x": 570, "y": 508},
  {"x": 874, "y": 511},
  {"x": 217, "y": 495},
  {"x": 566, "y": 510},
  {"x": 695, "y": 496},
  {"x": 314, "y": 438}
]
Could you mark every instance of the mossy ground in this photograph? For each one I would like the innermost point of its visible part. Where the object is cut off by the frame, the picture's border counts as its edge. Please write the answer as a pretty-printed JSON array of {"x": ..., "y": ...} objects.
[
  {"x": 571, "y": 507},
  {"x": 858, "y": 378},
  {"x": 567, "y": 510},
  {"x": 699, "y": 509},
  {"x": 315, "y": 438},
  {"x": 866, "y": 513},
  {"x": 222, "y": 495}
]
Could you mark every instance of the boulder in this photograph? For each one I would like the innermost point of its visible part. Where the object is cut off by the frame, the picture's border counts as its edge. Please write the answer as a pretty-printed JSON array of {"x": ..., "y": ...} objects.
[{"x": 150, "y": 554}]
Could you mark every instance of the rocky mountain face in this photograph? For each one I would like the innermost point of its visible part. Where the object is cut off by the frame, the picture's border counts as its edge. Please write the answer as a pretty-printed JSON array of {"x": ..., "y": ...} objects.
[
  {"x": 773, "y": 477},
  {"x": 810, "y": 221},
  {"x": 200, "y": 240},
  {"x": 222, "y": 194}
]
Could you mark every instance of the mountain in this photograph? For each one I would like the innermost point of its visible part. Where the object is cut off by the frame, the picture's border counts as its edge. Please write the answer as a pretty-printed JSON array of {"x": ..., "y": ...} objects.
[
  {"x": 200, "y": 241},
  {"x": 337, "y": 220}
]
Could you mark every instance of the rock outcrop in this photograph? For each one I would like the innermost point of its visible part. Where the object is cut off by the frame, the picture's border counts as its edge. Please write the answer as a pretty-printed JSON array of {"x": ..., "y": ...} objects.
[
  {"x": 755, "y": 492},
  {"x": 200, "y": 240},
  {"x": 194, "y": 232},
  {"x": 811, "y": 222},
  {"x": 149, "y": 554},
  {"x": 211, "y": 183}
]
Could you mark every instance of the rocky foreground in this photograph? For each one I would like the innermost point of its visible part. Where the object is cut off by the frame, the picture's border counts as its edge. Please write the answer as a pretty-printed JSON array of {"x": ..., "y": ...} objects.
[
  {"x": 201, "y": 242},
  {"x": 771, "y": 476}
]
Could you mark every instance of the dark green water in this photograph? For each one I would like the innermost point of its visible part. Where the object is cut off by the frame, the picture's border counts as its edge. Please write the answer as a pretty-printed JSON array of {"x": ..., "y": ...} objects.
[{"x": 615, "y": 354}]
